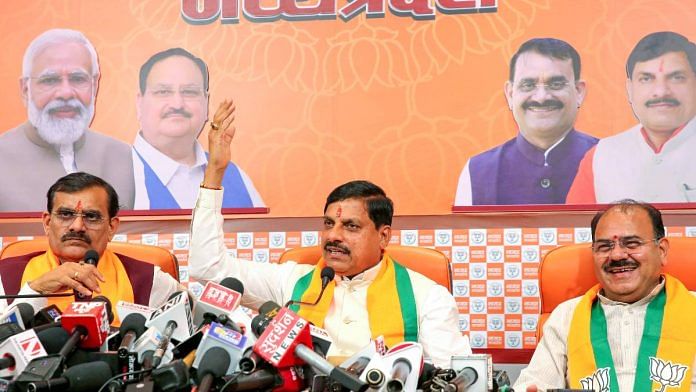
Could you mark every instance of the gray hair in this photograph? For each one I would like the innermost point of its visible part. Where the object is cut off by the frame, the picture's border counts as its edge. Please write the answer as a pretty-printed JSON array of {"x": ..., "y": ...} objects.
[{"x": 57, "y": 36}]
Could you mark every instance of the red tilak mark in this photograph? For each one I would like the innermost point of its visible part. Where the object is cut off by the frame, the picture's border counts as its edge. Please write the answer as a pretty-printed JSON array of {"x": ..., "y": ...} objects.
[
  {"x": 338, "y": 212},
  {"x": 78, "y": 208},
  {"x": 662, "y": 64}
]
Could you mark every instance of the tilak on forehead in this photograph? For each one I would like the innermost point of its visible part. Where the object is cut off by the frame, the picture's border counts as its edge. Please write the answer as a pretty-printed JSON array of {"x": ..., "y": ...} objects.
[
  {"x": 662, "y": 64},
  {"x": 338, "y": 211},
  {"x": 78, "y": 207}
]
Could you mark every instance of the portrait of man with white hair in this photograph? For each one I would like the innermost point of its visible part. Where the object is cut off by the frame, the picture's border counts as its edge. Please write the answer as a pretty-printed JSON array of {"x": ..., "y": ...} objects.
[{"x": 58, "y": 85}]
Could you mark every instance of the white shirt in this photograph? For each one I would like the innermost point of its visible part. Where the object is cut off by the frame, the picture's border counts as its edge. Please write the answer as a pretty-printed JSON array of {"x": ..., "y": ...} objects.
[
  {"x": 181, "y": 180},
  {"x": 347, "y": 320},
  {"x": 549, "y": 365}
]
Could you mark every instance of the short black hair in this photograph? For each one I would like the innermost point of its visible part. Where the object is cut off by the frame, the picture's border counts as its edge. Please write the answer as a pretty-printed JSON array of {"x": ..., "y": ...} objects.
[
  {"x": 656, "y": 44},
  {"x": 159, "y": 56},
  {"x": 79, "y": 181},
  {"x": 626, "y": 204},
  {"x": 380, "y": 208},
  {"x": 551, "y": 47}
]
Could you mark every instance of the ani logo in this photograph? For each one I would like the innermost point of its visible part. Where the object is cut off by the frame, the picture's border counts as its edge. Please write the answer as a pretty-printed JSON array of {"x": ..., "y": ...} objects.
[
  {"x": 597, "y": 381},
  {"x": 666, "y": 373}
]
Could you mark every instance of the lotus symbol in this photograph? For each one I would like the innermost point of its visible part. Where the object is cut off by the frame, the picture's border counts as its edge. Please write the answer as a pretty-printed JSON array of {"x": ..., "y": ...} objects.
[
  {"x": 409, "y": 238},
  {"x": 512, "y": 237},
  {"x": 477, "y": 237},
  {"x": 244, "y": 240},
  {"x": 598, "y": 381},
  {"x": 666, "y": 374},
  {"x": 443, "y": 238}
]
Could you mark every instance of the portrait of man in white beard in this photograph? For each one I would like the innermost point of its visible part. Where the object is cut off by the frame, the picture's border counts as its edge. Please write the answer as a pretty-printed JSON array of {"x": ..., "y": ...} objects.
[{"x": 60, "y": 77}]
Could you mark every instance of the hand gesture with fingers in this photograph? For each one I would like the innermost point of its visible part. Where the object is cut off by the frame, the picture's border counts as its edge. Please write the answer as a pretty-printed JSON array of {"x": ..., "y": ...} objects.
[
  {"x": 79, "y": 276},
  {"x": 219, "y": 140}
]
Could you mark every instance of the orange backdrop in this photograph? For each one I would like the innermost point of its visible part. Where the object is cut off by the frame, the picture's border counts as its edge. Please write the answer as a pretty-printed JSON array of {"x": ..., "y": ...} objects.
[{"x": 398, "y": 101}]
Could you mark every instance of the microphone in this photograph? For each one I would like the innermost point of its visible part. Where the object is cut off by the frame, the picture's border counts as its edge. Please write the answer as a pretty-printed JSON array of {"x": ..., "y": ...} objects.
[
  {"x": 53, "y": 339},
  {"x": 288, "y": 343},
  {"x": 267, "y": 312},
  {"x": 123, "y": 309},
  {"x": 87, "y": 323},
  {"x": 148, "y": 343},
  {"x": 131, "y": 328},
  {"x": 262, "y": 379},
  {"x": 49, "y": 315},
  {"x": 217, "y": 336},
  {"x": 17, "y": 351},
  {"x": 213, "y": 365},
  {"x": 327, "y": 275},
  {"x": 173, "y": 376},
  {"x": 464, "y": 379},
  {"x": 175, "y": 321},
  {"x": 399, "y": 374},
  {"x": 84, "y": 377},
  {"x": 218, "y": 299},
  {"x": 20, "y": 313},
  {"x": 91, "y": 257}
]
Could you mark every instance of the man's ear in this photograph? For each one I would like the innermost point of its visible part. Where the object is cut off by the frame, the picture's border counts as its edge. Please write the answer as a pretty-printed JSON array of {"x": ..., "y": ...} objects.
[
  {"x": 507, "y": 90},
  {"x": 581, "y": 88},
  {"x": 384, "y": 236},
  {"x": 24, "y": 90},
  {"x": 113, "y": 227},
  {"x": 46, "y": 221},
  {"x": 663, "y": 248}
]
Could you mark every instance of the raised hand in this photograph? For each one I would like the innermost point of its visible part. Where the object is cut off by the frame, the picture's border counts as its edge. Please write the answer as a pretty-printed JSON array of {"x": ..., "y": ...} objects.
[{"x": 219, "y": 140}]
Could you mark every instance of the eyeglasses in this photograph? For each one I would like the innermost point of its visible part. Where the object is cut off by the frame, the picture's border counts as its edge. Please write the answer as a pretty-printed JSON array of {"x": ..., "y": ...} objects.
[
  {"x": 527, "y": 86},
  {"x": 76, "y": 80},
  {"x": 631, "y": 245},
  {"x": 92, "y": 220},
  {"x": 186, "y": 92}
]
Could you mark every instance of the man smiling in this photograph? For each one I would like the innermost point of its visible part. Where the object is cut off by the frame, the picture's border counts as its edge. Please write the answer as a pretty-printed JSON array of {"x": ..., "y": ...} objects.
[
  {"x": 636, "y": 318},
  {"x": 544, "y": 93},
  {"x": 60, "y": 75},
  {"x": 654, "y": 160}
]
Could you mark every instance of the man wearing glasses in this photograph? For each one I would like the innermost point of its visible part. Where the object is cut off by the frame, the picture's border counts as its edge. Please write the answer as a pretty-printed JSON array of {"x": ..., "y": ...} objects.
[
  {"x": 625, "y": 330},
  {"x": 544, "y": 93},
  {"x": 168, "y": 160},
  {"x": 654, "y": 160},
  {"x": 60, "y": 75},
  {"x": 81, "y": 215}
]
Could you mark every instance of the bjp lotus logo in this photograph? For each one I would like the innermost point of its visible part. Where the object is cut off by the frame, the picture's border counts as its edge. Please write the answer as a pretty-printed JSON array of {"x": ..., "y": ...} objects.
[
  {"x": 512, "y": 270},
  {"x": 494, "y": 254},
  {"x": 512, "y": 237},
  {"x": 598, "y": 381},
  {"x": 477, "y": 237},
  {"x": 461, "y": 255},
  {"x": 277, "y": 239},
  {"x": 443, "y": 238},
  {"x": 244, "y": 240},
  {"x": 666, "y": 374}
]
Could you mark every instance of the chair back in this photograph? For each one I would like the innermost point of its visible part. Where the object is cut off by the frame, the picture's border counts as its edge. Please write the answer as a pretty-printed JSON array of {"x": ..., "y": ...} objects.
[
  {"x": 568, "y": 271},
  {"x": 429, "y": 262},
  {"x": 149, "y": 253}
]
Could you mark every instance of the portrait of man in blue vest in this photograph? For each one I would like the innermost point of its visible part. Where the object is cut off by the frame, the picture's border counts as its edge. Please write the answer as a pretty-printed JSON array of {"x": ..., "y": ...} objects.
[
  {"x": 168, "y": 160},
  {"x": 544, "y": 92}
]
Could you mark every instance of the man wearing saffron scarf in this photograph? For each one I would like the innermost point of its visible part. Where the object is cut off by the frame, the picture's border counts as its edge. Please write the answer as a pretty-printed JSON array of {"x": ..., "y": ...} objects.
[
  {"x": 632, "y": 331},
  {"x": 372, "y": 295},
  {"x": 81, "y": 215}
]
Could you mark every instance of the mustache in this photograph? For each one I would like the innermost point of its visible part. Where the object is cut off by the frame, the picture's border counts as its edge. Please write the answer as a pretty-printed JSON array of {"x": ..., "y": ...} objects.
[
  {"x": 549, "y": 103},
  {"x": 657, "y": 101},
  {"x": 182, "y": 112},
  {"x": 76, "y": 235},
  {"x": 59, "y": 103},
  {"x": 619, "y": 264},
  {"x": 335, "y": 244}
]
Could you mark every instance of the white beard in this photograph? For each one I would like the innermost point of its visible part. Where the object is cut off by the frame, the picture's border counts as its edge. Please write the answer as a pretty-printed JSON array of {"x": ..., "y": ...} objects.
[{"x": 60, "y": 131}]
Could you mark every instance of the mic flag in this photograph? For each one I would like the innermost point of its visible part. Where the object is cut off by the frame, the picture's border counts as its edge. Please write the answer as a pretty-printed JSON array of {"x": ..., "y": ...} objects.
[
  {"x": 277, "y": 343},
  {"x": 90, "y": 316}
]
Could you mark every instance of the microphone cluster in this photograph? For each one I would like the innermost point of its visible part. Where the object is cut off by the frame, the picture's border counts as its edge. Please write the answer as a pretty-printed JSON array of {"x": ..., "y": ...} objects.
[{"x": 211, "y": 343}]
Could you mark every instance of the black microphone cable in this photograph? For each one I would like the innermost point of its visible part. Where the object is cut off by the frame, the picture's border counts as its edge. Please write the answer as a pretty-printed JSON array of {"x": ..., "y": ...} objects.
[
  {"x": 327, "y": 275},
  {"x": 119, "y": 376}
]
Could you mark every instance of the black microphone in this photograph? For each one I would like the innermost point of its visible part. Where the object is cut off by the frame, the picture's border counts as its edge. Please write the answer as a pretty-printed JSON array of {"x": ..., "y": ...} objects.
[
  {"x": 173, "y": 376},
  {"x": 327, "y": 275},
  {"x": 260, "y": 380},
  {"x": 131, "y": 328},
  {"x": 18, "y": 317},
  {"x": 84, "y": 377},
  {"x": 91, "y": 257},
  {"x": 214, "y": 365}
]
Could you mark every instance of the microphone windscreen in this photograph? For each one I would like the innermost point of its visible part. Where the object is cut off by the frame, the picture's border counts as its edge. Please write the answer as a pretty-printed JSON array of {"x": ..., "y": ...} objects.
[
  {"x": 215, "y": 362},
  {"x": 53, "y": 339},
  {"x": 109, "y": 312},
  {"x": 88, "y": 376},
  {"x": 133, "y": 322},
  {"x": 233, "y": 284},
  {"x": 268, "y": 307},
  {"x": 327, "y": 273},
  {"x": 26, "y": 311},
  {"x": 91, "y": 257}
]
